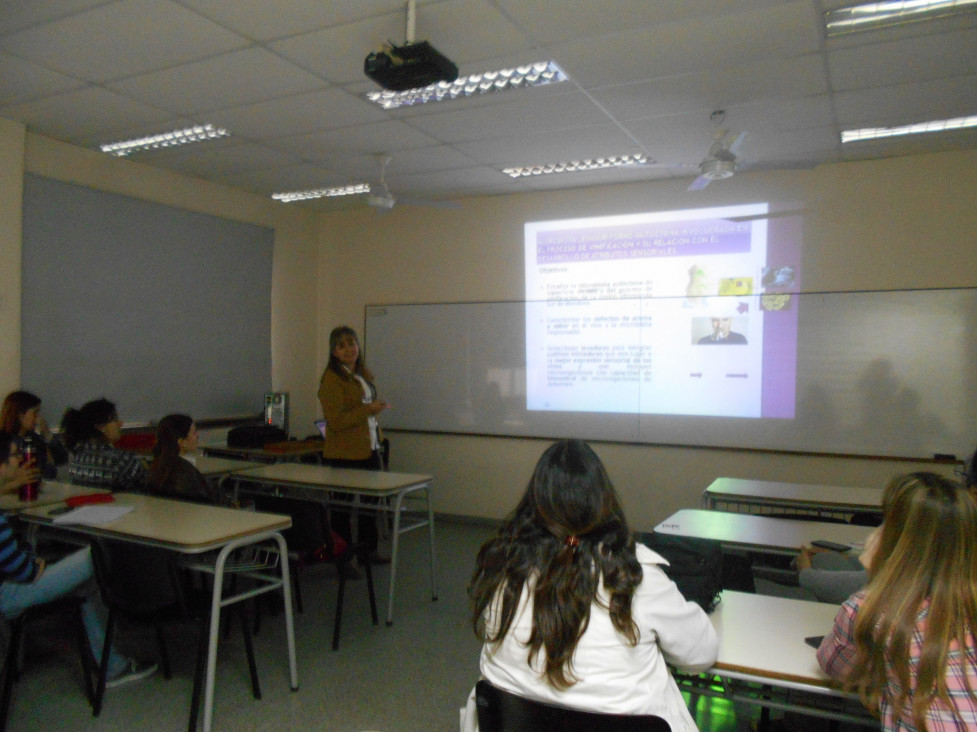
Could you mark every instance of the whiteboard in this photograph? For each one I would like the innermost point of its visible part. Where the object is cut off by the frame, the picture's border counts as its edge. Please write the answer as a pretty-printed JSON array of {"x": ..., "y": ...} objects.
[{"x": 878, "y": 373}]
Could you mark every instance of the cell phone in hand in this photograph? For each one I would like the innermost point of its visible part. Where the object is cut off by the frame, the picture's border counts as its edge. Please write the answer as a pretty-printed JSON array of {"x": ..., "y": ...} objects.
[
  {"x": 814, "y": 641},
  {"x": 832, "y": 545}
]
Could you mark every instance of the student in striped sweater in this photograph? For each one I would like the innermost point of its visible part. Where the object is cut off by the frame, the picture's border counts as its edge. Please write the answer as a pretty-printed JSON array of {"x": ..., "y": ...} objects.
[{"x": 26, "y": 580}]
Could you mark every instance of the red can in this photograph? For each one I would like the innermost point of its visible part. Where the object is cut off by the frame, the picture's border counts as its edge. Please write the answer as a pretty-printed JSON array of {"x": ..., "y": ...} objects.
[{"x": 28, "y": 491}]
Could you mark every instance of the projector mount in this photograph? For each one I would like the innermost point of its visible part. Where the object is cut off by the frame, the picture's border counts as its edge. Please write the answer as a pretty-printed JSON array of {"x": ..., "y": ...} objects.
[{"x": 414, "y": 65}]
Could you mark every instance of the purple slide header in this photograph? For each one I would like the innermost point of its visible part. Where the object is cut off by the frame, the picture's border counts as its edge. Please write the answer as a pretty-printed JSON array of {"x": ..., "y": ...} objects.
[{"x": 641, "y": 241}]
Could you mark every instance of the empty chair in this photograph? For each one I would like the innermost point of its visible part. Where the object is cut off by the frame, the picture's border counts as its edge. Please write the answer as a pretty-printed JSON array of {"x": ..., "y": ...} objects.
[
  {"x": 11, "y": 672},
  {"x": 503, "y": 711},
  {"x": 310, "y": 532}
]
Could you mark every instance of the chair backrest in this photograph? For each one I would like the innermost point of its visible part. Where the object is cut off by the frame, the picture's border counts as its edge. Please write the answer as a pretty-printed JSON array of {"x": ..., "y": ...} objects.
[
  {"x": 503, "y": 711},
  {"x": 309, "y": 528}
]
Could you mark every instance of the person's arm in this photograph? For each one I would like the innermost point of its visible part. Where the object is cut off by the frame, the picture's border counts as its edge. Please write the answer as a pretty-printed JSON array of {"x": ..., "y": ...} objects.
[
  {"x": 16, "y": 564},
  {"x": 834, "y": 586},
  {"x": 686, "y": 636},
  {"x": 836, "y": 654},
  {"x": 131, "y": 474},
  {"x": 23, "y": 475}
]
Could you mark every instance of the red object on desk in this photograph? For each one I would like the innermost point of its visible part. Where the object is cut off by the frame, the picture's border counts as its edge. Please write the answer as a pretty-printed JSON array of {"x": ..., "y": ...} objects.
[{"x": 85, "y": 500}]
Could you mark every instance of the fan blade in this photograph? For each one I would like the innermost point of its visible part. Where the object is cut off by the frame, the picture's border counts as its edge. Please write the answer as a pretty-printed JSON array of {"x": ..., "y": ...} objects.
[
  {"x": 698, "y": 184},
  {"x": 734, "y": 146}
]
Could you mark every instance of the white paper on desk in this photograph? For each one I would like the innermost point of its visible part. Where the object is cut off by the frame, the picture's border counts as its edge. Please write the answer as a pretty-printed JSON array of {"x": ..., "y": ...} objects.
[{"x": 94, "y": 515}]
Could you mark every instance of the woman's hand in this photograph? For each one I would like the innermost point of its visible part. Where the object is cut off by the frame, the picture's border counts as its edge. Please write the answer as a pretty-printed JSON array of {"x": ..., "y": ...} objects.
[
  {"x": 867, "y": 557},
  {"x": 376, "y": 406},
  {"x": 23, "y": 475},
  {"x": 41, "y": 428}
]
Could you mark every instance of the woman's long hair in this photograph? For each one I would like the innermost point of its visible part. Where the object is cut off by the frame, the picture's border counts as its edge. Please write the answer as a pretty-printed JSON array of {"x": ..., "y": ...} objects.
[
  {"x": 82, "y": 425},
  {"x": 567, "y": 532},
  {"x": 337, "y": 335},
  {"x": 166, "y": 452},
  {"x": 15, "y": 406},
  {"x": 926, "y": 561}
]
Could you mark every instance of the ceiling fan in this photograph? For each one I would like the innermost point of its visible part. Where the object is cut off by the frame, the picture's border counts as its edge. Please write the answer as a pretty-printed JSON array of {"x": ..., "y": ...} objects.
[
  {"x": 380, "y": 197},
  {"x": 722, "y": 158}
]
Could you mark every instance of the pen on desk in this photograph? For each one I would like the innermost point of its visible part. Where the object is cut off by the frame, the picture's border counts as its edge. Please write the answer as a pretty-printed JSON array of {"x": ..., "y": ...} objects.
[{"x": 59, "y": 510}]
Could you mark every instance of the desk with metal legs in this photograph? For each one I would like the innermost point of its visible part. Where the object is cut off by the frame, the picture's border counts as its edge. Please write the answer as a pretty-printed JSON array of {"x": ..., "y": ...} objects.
[
  {"x": 322, "y": 483},
  {"x": 763, "y": 659},
  {"x": 194, "y": 529}
]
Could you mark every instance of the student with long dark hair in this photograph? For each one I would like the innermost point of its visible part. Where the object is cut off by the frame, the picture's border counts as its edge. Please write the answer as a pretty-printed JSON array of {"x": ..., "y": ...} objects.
[
  {"x": 906, "y": 643},
  {"x": 20, "y": 416},
  {"x": 90, "y": 434},
  {"x": 171, "y": 474},
  {"x": 571, "y": 611}
]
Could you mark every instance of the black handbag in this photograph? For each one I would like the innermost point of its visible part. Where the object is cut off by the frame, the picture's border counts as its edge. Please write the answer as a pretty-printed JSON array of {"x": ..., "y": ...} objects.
[{"x": 694, "y": 565}]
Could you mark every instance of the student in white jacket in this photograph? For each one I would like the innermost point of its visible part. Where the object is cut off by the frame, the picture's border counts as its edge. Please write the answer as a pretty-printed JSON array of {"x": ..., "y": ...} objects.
[{"x": 572, "y": 612}]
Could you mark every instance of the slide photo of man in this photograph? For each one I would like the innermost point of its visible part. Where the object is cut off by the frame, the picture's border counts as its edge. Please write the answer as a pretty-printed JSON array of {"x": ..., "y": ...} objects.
[{"x": 721, "y": 332}]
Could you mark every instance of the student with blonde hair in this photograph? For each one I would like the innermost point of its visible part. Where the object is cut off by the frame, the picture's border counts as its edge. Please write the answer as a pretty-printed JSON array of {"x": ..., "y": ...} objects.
[{"x": 906, "y": 643}]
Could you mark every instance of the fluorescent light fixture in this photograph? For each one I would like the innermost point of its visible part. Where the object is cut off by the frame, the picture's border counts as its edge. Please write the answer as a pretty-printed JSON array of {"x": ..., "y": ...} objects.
[
  {"x": 939, "y": 125},
  {"x": 490, "y": 82},
  {"x": 198, "y": 133},
  {"x": 349, "y": 190},
  {"x": 615, "y": 161},
  {"x": 896, "y": 12}
]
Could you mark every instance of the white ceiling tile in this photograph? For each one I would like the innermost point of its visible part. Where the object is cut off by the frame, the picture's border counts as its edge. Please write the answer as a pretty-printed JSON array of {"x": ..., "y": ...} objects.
[
  {"x": 86, "y": 113},
  {"x": 908, "y": 103},
  {"x": 22, "y": 80},
  {"x": 917, "y": 58},
  {"x": 523, "y": 113},
  {"x": 710, "y": 90},
  {"x": 16, "y": 15},
  {"x": 552, "y": 147},
  {"x": 264, "y": 21},
  {"x": 711, "y": 42},
  {"x": 121, "y": 39},
  {"x": 384, "y": 137},
  {"x": 299, "y": 114},
  {"x": 251, "y": 75}
]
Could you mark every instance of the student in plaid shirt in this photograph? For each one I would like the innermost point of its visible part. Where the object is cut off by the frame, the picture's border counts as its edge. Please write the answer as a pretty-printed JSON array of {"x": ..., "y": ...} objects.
[{"x": 906, "y": 643}]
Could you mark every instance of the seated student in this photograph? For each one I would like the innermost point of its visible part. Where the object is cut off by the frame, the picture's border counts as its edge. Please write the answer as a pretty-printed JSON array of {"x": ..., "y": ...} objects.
[
  {"x": 20, "y": 416},
  {"x": 907, "y": 643},
  {"x": 26, "y": 581},
  {"x": 571, "y": 611},
  {"x": 171, "y": 474},
  {"x": 90, "y": 433}
]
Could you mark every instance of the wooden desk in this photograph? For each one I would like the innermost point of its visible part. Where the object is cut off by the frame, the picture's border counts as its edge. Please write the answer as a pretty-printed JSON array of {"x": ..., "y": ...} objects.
[
  {"x": 761, "y": 643},
  {"x": 50, "y": 491},
  {"x": 761, "y": 533},
  {"x": 274, "y": 453},
  {"x": 193, "y": 529},
  {"x": 322, "y": 483},
  {"x": 765, "y": 496}
]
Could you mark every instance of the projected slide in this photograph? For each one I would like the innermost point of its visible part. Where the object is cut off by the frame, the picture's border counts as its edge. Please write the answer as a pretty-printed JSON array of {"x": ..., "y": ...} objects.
[{"x": 679, "y": 312}]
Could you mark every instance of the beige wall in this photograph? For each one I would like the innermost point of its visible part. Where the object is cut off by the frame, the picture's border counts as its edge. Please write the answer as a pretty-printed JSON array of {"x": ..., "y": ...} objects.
[
  {"x": 893, "y": 224},
  {"x": 11, "y": 195}
]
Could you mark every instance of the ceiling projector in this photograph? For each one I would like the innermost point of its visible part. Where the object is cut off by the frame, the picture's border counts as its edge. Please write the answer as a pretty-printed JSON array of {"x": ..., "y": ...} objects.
[{"x": 411, "y": 66}]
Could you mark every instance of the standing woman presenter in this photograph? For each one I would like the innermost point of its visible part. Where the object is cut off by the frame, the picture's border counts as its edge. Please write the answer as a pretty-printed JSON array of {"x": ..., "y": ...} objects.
[{"x": 350, "y": 407}]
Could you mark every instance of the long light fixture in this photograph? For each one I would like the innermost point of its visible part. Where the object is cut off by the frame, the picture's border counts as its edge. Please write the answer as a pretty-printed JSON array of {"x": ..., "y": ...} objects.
[
  {"x": 938, "y": 125},
  {"x": 574, "y": 166},
  {"x": 490, "y": 82},
  {"x": 895, "y": 12},
  {"x": 349, "y": 190},
  {"x": 197, "y": 133}
]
